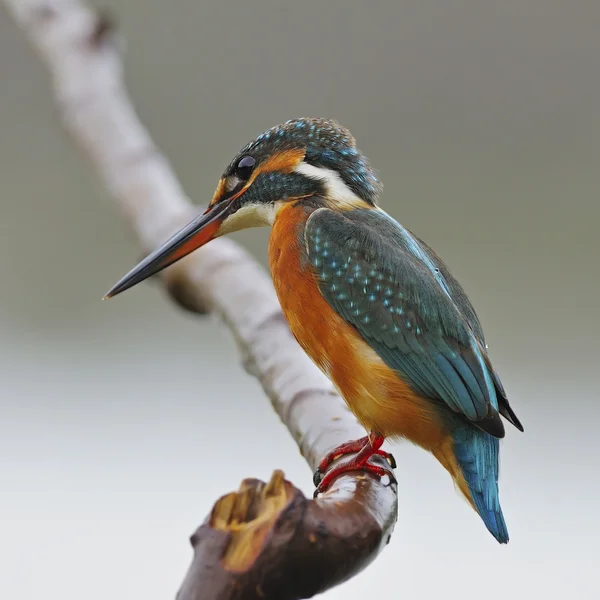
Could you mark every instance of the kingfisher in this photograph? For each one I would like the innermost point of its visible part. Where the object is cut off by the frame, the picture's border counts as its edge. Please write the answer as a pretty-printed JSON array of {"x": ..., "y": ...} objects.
[{"x": 371, "y": 303}]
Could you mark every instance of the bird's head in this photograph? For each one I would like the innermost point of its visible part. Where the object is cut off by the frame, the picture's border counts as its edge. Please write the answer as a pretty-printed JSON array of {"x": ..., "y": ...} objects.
[{"x": 298, "y": 160}]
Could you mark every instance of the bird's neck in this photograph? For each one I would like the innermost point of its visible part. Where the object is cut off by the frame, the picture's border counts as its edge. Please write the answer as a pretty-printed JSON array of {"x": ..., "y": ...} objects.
[{"x": 288, "y": 225}]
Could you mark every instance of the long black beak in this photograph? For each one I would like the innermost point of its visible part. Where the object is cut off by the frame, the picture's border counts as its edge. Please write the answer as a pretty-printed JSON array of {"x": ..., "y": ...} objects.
[{"x": 197, "y": 233}]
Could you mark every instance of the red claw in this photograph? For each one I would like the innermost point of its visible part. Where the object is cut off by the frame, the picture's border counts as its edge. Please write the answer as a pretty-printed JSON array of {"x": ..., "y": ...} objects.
[{"x": 366, "y": 447}]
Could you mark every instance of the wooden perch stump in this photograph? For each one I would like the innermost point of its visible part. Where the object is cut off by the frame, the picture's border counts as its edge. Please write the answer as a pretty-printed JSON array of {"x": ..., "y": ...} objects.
[
  {"x": 269, "y": 542},
  {"x": 266, "y": 541}
]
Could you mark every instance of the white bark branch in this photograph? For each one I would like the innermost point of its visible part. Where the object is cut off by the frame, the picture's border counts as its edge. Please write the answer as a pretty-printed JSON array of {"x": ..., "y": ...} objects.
[{"x": 81, "y": 54}]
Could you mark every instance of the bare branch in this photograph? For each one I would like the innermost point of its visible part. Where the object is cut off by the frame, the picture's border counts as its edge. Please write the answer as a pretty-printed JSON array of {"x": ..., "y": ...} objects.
[{"x": 266, "y": 540}]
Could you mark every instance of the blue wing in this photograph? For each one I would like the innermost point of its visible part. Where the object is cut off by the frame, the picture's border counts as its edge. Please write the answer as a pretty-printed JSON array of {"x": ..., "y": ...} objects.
[{"x": 407, "y": 306}]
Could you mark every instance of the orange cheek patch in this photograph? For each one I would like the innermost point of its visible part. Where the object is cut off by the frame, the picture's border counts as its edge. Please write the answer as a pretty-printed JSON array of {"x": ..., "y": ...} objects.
[{"x": 284, "y": 162}]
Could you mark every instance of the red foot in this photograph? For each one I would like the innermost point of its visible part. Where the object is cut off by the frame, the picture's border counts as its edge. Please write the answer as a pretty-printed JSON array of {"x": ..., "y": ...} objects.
[{"x": 366, "y": 447}]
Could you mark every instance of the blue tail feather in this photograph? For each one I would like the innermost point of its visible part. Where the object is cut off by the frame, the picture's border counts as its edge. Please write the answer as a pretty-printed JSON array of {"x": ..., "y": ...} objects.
[{"x": 477, "y": 454}]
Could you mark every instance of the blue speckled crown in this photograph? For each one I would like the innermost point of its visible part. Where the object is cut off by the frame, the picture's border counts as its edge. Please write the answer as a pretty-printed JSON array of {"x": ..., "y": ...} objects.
[{"x": 328, "y": 145}]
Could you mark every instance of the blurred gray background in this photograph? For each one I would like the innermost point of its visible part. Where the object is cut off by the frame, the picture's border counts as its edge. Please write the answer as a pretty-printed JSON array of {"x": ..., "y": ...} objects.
[{"x": 122, "y": 422}]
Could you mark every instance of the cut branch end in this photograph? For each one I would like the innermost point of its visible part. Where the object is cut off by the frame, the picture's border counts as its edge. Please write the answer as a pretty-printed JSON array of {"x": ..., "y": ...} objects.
[
  {"x": 268, "y": 541},
  {"x": 249, "y": 515}
]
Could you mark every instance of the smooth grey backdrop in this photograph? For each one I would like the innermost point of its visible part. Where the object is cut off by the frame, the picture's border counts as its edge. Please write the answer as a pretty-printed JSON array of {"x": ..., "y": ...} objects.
[{"x": 121, "y": 422}]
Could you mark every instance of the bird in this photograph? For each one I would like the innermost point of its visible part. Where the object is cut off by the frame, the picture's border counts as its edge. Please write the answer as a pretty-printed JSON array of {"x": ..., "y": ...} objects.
[{"x": 372, "y": 305}]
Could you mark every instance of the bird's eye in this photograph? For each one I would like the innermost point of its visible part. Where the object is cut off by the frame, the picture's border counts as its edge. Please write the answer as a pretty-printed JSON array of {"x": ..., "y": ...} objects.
[{"x": 245, "y": 167}]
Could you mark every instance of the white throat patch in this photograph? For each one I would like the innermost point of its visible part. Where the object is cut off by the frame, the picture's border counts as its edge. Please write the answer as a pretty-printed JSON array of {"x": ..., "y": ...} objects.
[{"x": 261, "y": 214}]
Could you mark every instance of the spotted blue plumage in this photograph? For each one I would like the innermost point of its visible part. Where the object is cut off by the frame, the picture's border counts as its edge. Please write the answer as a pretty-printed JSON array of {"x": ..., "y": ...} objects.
[
  {"x": 385, "y": 284},
  {"x": 403, "y": 301}
]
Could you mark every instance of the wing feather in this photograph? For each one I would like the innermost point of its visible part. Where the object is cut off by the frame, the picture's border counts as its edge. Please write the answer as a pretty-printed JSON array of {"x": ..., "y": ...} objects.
[{"x": 404, "y": 303}]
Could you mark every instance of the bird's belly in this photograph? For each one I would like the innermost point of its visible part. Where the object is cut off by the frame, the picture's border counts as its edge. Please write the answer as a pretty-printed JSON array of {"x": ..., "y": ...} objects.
[{"x": 381, "y": 401}]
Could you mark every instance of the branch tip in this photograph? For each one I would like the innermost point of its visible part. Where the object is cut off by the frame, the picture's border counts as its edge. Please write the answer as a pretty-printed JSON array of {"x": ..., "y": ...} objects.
[{"x": 248, "y": 516}]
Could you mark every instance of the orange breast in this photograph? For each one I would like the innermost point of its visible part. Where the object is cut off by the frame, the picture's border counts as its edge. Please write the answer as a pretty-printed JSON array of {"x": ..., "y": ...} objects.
[{"x": 378, "y": 397}]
